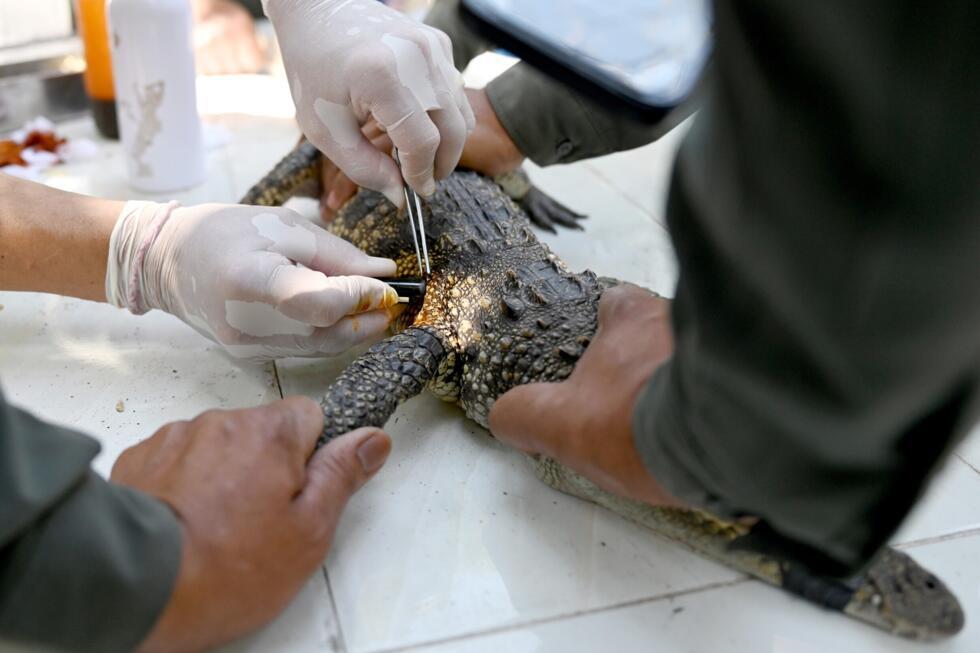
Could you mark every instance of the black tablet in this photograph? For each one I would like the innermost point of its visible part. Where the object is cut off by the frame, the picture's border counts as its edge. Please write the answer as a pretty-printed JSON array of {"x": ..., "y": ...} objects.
[{"x": 639, "y": 56}]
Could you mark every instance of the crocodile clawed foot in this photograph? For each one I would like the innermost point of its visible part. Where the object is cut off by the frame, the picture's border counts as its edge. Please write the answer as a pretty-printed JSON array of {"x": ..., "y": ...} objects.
[
  {"x": 543, "y": 210},
  {"x": 546, "y": 212}
]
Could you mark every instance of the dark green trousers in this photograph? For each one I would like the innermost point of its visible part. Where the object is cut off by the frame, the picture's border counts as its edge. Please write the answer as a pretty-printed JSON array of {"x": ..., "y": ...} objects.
[{"x": 825, "y": 209}]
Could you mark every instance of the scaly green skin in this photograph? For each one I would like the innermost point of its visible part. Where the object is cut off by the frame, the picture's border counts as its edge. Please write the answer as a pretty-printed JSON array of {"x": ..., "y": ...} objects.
[{"x": 502, "y": 310}]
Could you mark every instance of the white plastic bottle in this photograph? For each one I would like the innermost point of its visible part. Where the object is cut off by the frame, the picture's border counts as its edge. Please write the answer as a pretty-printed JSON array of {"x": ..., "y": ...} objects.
[{"x": 153, "y": 67}]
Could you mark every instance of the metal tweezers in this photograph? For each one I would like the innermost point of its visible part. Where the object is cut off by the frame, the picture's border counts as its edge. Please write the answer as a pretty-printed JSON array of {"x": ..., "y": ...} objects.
[{"x": 413, "y": 207}]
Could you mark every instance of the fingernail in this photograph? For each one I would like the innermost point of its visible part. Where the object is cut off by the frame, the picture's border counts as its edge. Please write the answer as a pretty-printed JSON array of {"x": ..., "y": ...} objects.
[
  {"x": 373, "y": 452},
  {"x": 332, "y": 199},
  {"x": 429, "y": 188},
  {"x": 389, "y": 266}
]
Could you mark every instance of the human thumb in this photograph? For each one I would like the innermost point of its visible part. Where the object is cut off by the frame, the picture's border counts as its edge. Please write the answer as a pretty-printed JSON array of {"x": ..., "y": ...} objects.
[{"x": 342, "y": 466}]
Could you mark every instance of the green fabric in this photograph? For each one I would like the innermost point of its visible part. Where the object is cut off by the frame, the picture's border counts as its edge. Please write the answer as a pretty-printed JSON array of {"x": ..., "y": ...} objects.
[
  {"x": 551, "y": 124},
  {"x": 85, "y": 565},
  {"x": 825, "y": 209},
  {"x": 548, "y": 122}
]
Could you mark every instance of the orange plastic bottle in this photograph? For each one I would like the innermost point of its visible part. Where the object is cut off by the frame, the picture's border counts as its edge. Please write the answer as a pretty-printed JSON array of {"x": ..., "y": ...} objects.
[{"x": 91, "y": 18}]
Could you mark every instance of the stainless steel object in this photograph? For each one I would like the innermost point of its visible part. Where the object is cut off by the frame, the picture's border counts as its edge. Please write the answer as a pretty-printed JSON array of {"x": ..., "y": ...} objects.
[
  {"x": 413, "y": 207},
  {"x": 41, "y": 80}
]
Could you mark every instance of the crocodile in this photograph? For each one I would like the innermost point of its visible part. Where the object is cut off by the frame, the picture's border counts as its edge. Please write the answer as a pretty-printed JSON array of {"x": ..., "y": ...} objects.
[{"x": 501, "y": 310}]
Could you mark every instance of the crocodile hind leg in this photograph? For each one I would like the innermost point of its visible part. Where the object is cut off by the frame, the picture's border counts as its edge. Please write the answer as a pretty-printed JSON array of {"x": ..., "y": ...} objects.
[
  {"x": 297, "y": 174},
  {"x": 894, "y": 593},
  {"x": 376, "y": 382}
]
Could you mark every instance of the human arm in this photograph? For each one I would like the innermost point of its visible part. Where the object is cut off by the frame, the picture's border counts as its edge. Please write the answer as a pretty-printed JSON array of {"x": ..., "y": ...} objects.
[
  {"x": 263, "y": 282},
  {"x": 826, "y": 357},
  {"x": 52, "y": 241},
  {"x": 488, "y": 149},
  {"x": 521, "y": 114},
  {"x": 155, "y": 555},
  {"x": 100, "y": 557}
]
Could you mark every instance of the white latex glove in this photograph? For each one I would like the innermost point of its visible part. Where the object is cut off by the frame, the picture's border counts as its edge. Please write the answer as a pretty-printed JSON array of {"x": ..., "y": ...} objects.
[
  {"x": 348, "y": 60},
  {"x": 260, "y": 281}
]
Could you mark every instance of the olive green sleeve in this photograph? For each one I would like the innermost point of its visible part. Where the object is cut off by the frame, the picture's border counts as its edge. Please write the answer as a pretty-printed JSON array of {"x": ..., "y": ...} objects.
[
  {"x": 85, "y": 565},
  {"x": 548, "y": 122},
  {"x": 824, "y": 209},
  {"x": 551, "y": 124}
]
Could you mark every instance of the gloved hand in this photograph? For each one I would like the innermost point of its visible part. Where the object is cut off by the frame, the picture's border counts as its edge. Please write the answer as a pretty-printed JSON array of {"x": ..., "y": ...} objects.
[
  {"x": 350, "y": 60},
  {"x": 489, "y": 150},
  {"x": 260, "y": 281}
]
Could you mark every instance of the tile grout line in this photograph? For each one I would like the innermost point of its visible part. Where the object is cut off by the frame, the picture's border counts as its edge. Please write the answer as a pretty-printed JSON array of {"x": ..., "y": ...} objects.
[
  {"x": 495, "y": 630},
  {"x": 968, "y": 532},
  {"x": 275, "y": 376},
  {"x": 967, "y": 463},
  {"x": 341, "y": 640},
  {"x": 623, "y": 193}
]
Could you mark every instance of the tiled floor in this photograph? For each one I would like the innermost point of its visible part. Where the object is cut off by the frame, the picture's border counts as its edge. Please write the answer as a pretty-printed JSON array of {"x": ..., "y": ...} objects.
[{"x": 456, "y": 546}]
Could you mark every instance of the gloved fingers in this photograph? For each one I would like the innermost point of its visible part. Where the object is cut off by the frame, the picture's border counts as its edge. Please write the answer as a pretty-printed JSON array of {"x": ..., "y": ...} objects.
[
  {"x": 400, "y": 97},
  {"x": 449, "y": 121},
  {"x": 417, "y": 139},
  {"x": 313, "y": 298},
  {"x": 348, "y": 332},
  {"x": 452, "y": 78},
  {"x": 336, "y": 256},
  {"x": 338, "y": 187},
  {"x": 334, "y": 129},
  {"x": 468, "y": 115},
  {"x": 303, "y": 242}
]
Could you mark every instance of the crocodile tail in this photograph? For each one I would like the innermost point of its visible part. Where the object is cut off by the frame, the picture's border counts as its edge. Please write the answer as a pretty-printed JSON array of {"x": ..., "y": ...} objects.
[
  {"x": 375, "y": 383},
  {"x": 297, "y": 174},
  {"x": 894, "y": 593}
]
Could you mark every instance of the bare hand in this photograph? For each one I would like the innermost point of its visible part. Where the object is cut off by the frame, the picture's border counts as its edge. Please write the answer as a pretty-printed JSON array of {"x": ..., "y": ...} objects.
[
  {"x": 224, "y": 39},
  {"x": 258, "y": 508},
  {"x": 585, "y": 421},
  {"x": 488, "y": 150}
]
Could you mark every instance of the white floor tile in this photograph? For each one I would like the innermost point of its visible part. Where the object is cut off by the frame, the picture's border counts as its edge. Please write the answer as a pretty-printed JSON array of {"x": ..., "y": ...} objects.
[
  {"x": 951, "y": 505},
  {"x": 969, "y": 449},
  {"x": 116, "y": 376},
  {"x": 308, "y": 625},
  {"x": 748, "y": 617},
  {"x": 456, "y": 534},
  {"x": 619, "y": 240}
]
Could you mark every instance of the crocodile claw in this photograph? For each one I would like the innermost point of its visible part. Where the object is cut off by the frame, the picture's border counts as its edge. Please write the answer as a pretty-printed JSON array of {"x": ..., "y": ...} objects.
[
  {"x": 543, "y": 210},
  {"x": 546, "y": 212}
]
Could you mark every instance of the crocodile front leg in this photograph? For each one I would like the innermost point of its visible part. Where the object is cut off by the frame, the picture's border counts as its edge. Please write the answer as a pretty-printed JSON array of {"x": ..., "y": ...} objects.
[{"x": 373, "y": 386}]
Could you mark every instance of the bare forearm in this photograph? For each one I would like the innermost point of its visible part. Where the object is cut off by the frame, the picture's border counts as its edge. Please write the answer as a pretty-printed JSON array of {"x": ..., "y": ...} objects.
[{"x": 53, "y": 241}]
